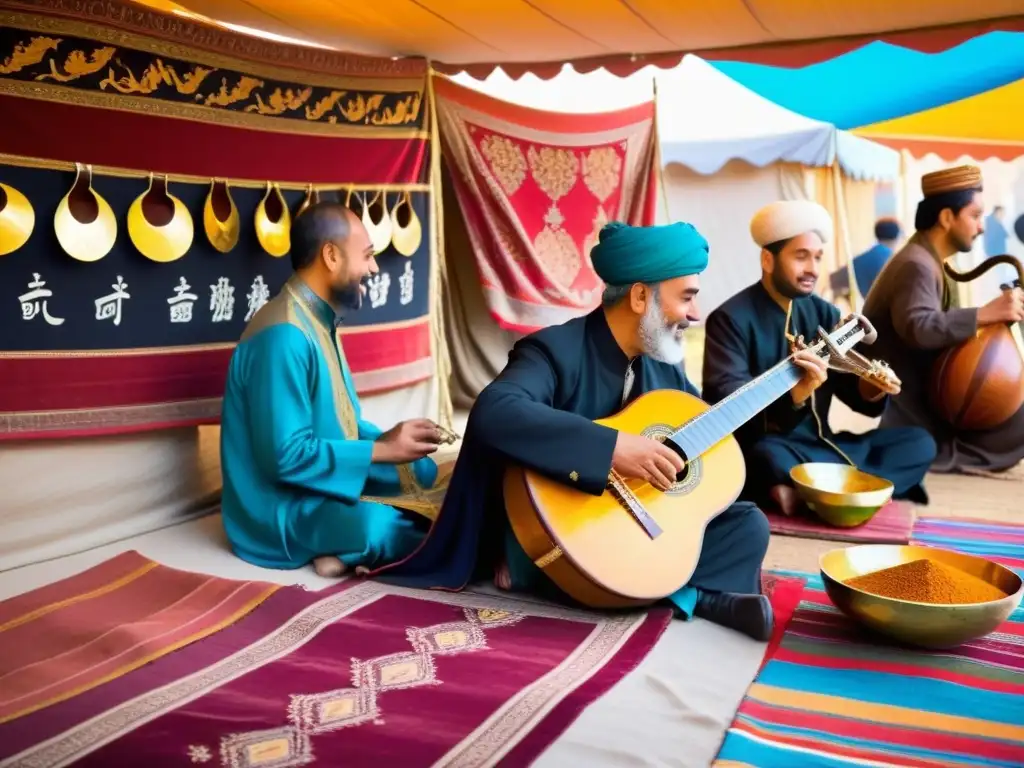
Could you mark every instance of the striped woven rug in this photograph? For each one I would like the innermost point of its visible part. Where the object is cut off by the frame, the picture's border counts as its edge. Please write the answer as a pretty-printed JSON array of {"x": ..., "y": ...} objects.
[
  {"x": 1002, "y": 542},
  {"x": 831, "y": 698}
]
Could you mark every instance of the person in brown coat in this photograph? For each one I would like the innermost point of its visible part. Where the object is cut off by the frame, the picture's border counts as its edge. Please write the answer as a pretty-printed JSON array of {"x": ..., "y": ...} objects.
[{"x": 912, "y": 307}]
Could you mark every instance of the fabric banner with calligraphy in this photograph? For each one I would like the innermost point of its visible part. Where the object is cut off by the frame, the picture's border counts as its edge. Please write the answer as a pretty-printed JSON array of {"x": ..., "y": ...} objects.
[
  {"x": 116, "y": 341},
  {"x": 535, "y": 188}
]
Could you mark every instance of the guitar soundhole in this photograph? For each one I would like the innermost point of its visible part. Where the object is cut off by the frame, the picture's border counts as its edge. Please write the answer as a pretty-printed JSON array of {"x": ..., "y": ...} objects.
[{"x": 686, "y": 480}]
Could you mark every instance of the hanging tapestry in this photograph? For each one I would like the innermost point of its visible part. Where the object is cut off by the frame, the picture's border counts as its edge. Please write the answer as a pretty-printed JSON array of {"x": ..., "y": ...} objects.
[
  {"x": 186, "y": 168},
  {"x": 535, "y": 188}
]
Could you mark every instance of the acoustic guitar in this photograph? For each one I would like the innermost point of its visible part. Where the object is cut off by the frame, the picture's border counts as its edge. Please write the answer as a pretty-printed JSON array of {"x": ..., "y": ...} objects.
[{"x": 634, "y": 544}]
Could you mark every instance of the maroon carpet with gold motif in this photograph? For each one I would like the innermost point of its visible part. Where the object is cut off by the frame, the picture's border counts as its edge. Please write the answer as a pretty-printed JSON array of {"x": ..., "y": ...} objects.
[{"x": 356, "y": 674}]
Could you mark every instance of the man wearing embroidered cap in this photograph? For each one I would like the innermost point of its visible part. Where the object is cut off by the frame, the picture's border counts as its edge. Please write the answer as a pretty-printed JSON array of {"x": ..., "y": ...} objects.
[
  {"x": 540, "y": 411},
  {"x": 913, "y": 307},
  {"x": 754, "y": 330}
]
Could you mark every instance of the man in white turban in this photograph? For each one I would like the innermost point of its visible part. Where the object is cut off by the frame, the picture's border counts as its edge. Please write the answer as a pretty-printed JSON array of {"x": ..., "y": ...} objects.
[{"x": 755, "y": 330}]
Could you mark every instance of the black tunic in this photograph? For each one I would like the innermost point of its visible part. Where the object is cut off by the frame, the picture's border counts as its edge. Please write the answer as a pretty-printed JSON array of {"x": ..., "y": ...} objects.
[{"x": 745, "y": 337}]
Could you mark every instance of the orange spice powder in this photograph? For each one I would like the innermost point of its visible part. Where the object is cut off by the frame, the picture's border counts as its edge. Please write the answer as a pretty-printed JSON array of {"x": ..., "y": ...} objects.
[{"x": 927, "y": 581}]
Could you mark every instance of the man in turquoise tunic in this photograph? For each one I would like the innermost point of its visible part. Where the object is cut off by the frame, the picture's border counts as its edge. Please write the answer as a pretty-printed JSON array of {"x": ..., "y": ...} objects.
[
  {"x": 540, "y": 411},
  {"x": 299, "y": 462}
]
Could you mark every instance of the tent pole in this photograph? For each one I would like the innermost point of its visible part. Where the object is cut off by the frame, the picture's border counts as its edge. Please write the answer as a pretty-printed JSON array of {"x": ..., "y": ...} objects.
[
  {"x": 843, "y": 233},
  {"x": 657, "y": 154},
  {"x": 438, "y": 342}
]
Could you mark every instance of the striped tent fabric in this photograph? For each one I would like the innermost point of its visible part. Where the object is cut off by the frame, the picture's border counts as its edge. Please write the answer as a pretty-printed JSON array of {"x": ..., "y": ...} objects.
[{"x": 832, "y": 697}]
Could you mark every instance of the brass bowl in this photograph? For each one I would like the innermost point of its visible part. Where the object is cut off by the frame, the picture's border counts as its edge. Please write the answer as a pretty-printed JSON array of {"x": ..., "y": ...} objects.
[
  {"x": 922, "y": 624},
  {"x": 839, "y": 494}
]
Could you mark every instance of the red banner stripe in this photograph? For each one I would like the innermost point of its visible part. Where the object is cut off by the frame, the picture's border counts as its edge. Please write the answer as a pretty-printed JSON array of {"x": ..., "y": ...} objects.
[
  {"x": 122, "y": 139},
  {"x": 378, "y": 348},
  {"x": 69, "y": 383},
  {"x": 56, "y": 383}
]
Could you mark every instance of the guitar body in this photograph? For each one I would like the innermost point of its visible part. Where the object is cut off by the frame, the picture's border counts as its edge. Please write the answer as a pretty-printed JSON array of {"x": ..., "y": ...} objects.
[{"x": 593, "y": 548}]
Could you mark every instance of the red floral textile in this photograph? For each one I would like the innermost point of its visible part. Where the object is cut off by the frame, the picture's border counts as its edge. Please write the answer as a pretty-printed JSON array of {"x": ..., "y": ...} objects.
[{"x": 535, "y": 188}]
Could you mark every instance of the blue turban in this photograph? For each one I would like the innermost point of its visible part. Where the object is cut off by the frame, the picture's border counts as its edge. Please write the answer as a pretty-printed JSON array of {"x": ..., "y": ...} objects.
[{"x": 625, "y": 255}]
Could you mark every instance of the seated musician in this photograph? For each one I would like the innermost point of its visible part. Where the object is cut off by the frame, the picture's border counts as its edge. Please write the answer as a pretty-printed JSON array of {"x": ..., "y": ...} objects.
[
  {"x": 295, "y": 452},
  {"x": 539, "y": 414},
  {"x": 753, "y": 331},
  {"x": 912, "y": 306}
]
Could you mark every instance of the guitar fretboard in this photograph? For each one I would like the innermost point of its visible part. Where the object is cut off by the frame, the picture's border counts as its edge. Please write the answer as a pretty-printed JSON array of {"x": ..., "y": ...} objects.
[{"x": 708, "y": 428}]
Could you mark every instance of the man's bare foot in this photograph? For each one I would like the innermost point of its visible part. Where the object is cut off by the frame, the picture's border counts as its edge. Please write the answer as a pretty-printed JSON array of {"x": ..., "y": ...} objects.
[
  {"x": 502, "y": 577},
  {"x": 362, "y": 570},
  {"x": 328, "y": 566},
  {"x": 785, "y": 496}
]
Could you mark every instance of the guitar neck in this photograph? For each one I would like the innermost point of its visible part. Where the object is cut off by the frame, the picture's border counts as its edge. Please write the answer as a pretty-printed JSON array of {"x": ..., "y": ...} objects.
[{"x": 708, "y": 428}]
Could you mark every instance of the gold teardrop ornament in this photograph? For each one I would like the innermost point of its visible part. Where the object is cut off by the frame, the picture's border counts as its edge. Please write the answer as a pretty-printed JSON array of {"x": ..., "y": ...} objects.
[
  {"x": 312, "y": 198},
  {"x": 220, "y": 217},
  {"x": 377, "y": 222},
  {"x": 84, "y": 222},
  {"x": 159, "y": 224},
  {"x": 273, "y": 222},
  {"x": 407, "y": 230},
  {"x": 17, "y": 219}
]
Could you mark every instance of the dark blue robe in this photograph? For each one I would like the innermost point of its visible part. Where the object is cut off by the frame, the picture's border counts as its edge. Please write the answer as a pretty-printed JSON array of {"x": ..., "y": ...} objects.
[
  {"x": 539, "y": 413},
  {"x": 744, "y": 337}
]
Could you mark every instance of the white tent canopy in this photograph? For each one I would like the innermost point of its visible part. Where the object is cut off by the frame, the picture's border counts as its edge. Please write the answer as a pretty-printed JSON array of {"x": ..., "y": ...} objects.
[{"x": 705, "y": 118}]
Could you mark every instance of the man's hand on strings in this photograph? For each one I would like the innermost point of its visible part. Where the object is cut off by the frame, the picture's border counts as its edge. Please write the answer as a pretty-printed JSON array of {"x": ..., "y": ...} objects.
[
  {"x": 815, "y": 371},
  {"x": 636, "y": 456}
]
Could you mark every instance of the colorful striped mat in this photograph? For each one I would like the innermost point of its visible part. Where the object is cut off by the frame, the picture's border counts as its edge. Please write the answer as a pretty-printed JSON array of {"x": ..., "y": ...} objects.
[
  {"x": 830, "y": 697},
  {"x": 891, "y": 525},
  {"x": 75, "y": 634},
  {"x": 1002, "y": 542}
]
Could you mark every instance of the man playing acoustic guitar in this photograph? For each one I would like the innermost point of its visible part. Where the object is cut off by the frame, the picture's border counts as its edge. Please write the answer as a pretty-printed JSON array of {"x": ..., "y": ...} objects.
[{"x": 539, "y": 414}]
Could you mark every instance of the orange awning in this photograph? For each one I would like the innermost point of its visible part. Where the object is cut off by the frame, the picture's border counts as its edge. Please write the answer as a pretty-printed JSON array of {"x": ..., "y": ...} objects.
[
  {"x": 539, "y": 35},
  {"x": 990, "y": 124}
]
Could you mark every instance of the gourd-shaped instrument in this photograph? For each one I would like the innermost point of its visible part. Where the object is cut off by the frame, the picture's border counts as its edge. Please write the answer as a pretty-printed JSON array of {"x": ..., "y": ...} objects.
[{"x": 979, "y": 384}]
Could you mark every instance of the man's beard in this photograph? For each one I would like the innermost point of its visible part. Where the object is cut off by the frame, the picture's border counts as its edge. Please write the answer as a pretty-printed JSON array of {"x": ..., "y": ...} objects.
[
  {"x": 789, "y": 290},
  {"x": 961, "y": 245},
  {"x": 662, "y": 341},
  {"x": 348, "y": 297}
]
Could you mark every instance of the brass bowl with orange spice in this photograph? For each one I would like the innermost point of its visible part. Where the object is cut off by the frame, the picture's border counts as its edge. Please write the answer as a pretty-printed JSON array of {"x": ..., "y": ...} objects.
[{"x": 923, "y": 596}]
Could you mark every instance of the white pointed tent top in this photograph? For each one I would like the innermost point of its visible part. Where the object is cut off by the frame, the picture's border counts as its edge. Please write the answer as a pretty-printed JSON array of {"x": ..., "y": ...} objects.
[{"x": 705, "y": 118}]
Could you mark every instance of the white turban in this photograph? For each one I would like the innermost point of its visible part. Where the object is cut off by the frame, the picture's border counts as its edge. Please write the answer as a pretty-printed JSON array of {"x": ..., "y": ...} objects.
[{"x": 790, "y": 218}]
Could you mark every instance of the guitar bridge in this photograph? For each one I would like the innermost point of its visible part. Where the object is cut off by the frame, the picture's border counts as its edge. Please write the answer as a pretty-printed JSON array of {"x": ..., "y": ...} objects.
[{"x": 618, "y": 488}]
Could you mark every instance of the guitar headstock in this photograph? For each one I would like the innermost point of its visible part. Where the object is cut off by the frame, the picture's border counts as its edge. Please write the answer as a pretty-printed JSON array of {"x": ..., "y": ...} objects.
[
  {"x": 835, "y": 344},
  {"x": 845, "y": 336}
]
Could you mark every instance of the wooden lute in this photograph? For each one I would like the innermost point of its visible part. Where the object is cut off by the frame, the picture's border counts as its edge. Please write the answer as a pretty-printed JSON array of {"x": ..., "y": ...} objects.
[{"x": 633, "y": 544}]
